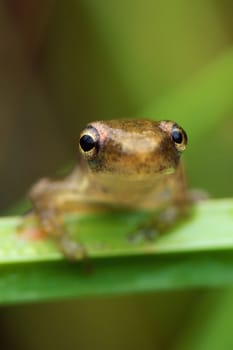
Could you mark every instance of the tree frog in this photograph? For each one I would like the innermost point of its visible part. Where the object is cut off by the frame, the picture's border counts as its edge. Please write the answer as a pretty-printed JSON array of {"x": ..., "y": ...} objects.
[{"x": 132, "y": 164}]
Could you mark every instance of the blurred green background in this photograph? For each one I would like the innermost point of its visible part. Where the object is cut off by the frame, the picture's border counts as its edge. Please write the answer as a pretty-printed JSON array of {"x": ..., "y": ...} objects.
[{"x": 65, "y": 63}]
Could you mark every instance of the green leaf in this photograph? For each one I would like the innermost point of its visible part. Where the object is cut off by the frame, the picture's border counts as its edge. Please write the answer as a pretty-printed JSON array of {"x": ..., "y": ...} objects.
[{"x": 197, "y": 252}]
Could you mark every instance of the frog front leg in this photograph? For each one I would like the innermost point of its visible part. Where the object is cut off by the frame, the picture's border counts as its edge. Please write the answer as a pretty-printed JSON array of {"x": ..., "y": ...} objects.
[
  {"x": 160, "y": 222},
  {"x": 51, "y": 200}
]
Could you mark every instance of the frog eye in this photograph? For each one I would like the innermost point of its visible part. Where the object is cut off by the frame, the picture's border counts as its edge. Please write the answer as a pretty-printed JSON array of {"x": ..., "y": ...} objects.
[
  {"x": 179, "y": 137},
  {"x": 88, "y": 142}
]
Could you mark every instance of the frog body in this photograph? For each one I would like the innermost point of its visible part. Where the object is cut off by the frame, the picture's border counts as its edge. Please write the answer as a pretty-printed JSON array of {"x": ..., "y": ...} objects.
[{"x": 132, "y": 164}]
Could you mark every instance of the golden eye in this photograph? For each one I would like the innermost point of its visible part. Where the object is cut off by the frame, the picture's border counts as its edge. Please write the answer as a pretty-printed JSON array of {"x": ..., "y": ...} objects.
[
  {"x": 89, "y": 142},
  {"x": 179, "y": 137}
]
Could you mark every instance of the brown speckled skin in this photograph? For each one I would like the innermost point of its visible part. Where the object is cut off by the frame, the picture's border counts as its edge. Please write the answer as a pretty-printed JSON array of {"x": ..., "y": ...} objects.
[
  {"x": 136, "y": 164},
  {"x": 133, "y": 147}
]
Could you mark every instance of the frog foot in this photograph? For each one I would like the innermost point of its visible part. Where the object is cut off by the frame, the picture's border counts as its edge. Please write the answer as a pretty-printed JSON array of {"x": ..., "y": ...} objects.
[
  {"x": 143, "y": 234},
  {"x": 197, "y": 195},
  {"x": 51, "y": 222},
  {"x": 71, "y": 249}
]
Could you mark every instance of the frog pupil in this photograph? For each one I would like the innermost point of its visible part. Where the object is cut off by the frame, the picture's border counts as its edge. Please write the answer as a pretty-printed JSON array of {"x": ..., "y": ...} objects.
[
  {"x": 87, "y": 143},
  {"x": 177, "y": 136}
]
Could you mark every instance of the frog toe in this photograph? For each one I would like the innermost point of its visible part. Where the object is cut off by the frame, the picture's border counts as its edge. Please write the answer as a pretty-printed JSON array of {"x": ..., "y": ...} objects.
[{"x": 72, "y": 250}]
